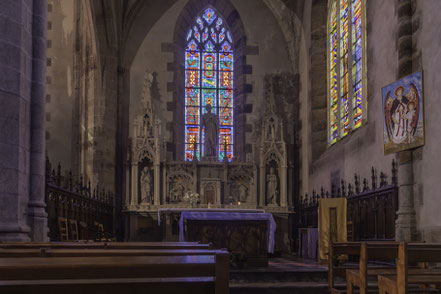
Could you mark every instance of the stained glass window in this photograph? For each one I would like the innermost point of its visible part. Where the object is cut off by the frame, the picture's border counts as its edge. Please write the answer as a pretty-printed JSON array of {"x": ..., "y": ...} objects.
[
  {"x": 208, "y": 81},
  {"x": 346, "y": 73}
]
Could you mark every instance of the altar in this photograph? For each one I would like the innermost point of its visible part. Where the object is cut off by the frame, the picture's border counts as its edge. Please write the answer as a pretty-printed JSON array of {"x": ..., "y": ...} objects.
[
  {"x": 250, "y": 235},
  {"x": 157, "y": 189}
]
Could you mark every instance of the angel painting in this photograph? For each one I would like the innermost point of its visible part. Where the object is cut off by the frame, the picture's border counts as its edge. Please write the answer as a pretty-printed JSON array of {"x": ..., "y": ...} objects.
[{"x": 403, "y": 116}]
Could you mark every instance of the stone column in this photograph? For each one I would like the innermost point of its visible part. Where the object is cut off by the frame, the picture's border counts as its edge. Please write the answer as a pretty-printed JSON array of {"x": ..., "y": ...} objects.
[
  {"x": 283, "y": 186},
  {"x": 262, "y": 185},
  {"x": 127, "y": 185},
  {"x": 253, "y": 190},
  {"x": 157, "y": 182},
  {"x": 22, "y": 71},
  {"x": 157, "y": 176},
  {"x": 134, "y": 196},
  {"x": 405, "y": 226},
  {"x": 37, "y": 216}
]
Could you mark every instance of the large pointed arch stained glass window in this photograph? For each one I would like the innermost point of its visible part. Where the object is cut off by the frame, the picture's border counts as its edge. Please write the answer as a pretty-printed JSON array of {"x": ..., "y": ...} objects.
[
  {"x": 208, "y": 80},
  {"x": 346, "y": 67}
]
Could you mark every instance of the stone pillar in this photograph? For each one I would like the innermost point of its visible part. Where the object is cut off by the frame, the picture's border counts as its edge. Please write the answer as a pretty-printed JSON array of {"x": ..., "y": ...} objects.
[
  {"x": 283, "y": 186},
  {"x": 253, "y": 191},
  {"x": 22, "y": 72},
  {"x": 262, "y": 179},
  {"x": 157, "y": 183},
  {"x": 134, "y": 195},
  {"x": 405, "y": 226},
  {"x": 37, "y": 216},
  {"x": 127, "y": 184}
]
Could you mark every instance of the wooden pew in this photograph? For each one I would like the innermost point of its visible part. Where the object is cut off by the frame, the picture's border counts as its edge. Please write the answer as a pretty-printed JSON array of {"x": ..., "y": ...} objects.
[
  {"x": 106, "y": 245},
  {"x": 334, "y": 268},
  {"x": 201, "y": 273},
  {"x": 49, "y": 252},
  {"x": 399, "y": 283},
  {"x": 384, "y": 251}
]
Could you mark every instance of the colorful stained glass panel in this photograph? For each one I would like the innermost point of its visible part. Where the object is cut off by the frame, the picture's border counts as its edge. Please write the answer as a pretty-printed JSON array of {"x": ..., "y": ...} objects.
[
  {"x": 192, "y": 78},
  {"x": 192, "y": 60},
  {"x": 208, "y": 81},
  {"x": 209, "y": 97},
  {"x": 209, "y": 15},
  {"x": 226, "y": 98},
  {"x": 219, "y": 23}
]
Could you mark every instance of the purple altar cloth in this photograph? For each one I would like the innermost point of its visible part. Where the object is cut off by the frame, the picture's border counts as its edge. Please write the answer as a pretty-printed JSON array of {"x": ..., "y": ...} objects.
[
  {"x": 196, "y": 215},
  {"x": 163, "y": 210}
]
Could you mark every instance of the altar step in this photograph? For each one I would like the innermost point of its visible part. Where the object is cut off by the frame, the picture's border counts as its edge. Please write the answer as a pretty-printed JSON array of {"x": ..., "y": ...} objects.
[
  {"x": 283, "y": 269},
  {"x": 287, "y": 274},
  {"x": 278, "y": 288},
  {"x": 266, "y": 275}
]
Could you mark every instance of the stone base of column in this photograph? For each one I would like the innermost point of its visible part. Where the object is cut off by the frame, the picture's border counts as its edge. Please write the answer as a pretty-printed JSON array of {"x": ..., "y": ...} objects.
[
  {"x": 405, "y": 226},
  {"x": 37, "y": 219},
  {"x": 12, "y": 232}
]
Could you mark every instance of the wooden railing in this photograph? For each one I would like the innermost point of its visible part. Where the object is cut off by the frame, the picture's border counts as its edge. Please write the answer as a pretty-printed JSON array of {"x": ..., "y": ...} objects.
[
  {"x": 79, "y": 203},
  {"x": 371, "y": 208}
]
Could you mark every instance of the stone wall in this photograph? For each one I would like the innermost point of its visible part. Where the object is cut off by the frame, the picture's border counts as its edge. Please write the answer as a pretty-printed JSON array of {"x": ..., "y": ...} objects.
[{"x": 59, "y": 81}]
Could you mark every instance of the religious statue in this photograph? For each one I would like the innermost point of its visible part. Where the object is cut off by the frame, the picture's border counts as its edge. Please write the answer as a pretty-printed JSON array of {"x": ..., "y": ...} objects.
[
  {"x": 271, "y": 187},
  {"x": 177, "y": 192},
  {"x": 211, "y": 125},
  {"x": 243, "y": 193},
  {"x": 146, "y": 183},
  {"x": 146, "y": 127}
]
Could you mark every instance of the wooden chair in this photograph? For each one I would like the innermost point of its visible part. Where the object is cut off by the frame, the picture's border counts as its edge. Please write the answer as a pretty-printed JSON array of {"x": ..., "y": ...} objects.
[
  {"x": 335, "y": 269},
  {"x": 63, "y": 229},
  {"x": 73, "y": 228},
  {"x": 378, "y": 251},
  {"x": 407, "y": 253},
  {"x": 84, "y": 233}
]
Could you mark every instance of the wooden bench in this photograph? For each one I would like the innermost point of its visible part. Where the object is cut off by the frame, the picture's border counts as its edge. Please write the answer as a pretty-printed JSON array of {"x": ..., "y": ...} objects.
[
  {"x": 334, "y": 268},
  {"x": 49, "y": 252},
  {"x": 106, "y": 245},
  {"x": 384, "y": 251},
  {"x": 170, "y": 274},
  {"x": 399, "y": 282}
]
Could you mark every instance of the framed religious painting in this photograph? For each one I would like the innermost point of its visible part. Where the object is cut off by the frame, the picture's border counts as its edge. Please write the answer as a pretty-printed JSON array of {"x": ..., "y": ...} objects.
[{"x": 403, "y": 115}]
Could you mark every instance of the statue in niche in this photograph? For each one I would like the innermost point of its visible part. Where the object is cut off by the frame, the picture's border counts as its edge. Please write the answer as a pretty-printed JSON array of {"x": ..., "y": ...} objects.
[
  {"x": 211, "y": 124},
  {"x": 271, "y": 187},
  {"x": 146, "y": 186},
  {"x": 243, "y": 193},
  {"x": 146, "y": 127},
  {"x": 177, "y": 192}
]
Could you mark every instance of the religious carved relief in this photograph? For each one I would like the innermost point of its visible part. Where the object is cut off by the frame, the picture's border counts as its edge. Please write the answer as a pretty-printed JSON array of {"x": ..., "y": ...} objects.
[
  {"x": 211, "y": 191},
  {"x": 179, "y": 181},
  {"x": 241, "y": 182}
]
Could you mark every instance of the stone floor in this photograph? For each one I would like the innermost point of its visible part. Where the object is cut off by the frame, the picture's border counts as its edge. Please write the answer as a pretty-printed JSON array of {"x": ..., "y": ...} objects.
[{"x": 286, "y": 274}]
